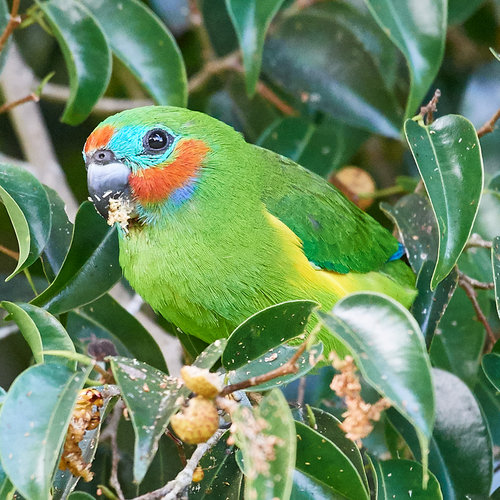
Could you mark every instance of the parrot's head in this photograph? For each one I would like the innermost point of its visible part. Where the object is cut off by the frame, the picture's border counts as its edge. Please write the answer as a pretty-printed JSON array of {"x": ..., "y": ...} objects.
[{"x": 153, "y": 158}]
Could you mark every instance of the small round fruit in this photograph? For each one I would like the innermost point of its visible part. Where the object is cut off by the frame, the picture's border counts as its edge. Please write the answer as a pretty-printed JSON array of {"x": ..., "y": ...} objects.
[
  {"x": 201, "y": 381},
  {"x": 197, "y": 422}
]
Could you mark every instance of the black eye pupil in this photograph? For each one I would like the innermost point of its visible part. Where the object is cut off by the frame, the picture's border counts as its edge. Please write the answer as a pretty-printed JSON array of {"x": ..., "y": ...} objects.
[{"x": 157, "y": 140}]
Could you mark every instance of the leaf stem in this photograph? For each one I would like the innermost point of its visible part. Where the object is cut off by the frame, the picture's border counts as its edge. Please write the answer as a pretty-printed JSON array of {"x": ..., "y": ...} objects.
[
  {"x": 9, "y": 252},
  {"x": 14, "y": 22},
  {"x": 489, "y": 126},
  {"x": 431, "y": 107},
  {"x": 382, "y": 193},
  {"x": 30, "y": 281},
  {"x": 11, "y": 105}
]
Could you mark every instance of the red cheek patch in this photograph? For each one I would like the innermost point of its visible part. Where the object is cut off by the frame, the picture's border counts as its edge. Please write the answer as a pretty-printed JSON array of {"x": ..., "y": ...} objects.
[
  {"x": 99, "y": 138},
  {"x": 155, "y": 184}
]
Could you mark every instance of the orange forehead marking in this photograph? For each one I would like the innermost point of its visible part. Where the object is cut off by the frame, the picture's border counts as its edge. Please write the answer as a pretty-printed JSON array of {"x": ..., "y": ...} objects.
[
  {"x": 155, "y": 184},
  {"x": 99, "y": 138}
]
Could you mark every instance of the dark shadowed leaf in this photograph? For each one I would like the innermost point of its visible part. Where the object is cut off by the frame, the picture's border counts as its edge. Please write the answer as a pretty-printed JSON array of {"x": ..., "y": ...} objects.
[
  {"x": 91, "y": 267},
  {"x": 380, "y": 333},
  {"x": 459, "y": 341},
  {"x": 42, "y": 332},
  {"x": 265, "y": 330},
  {"x": 57, "y": 246},
  {"x": 28, "y": 207},
  {"x": 336, "y": 74},
  {"x": 448, "y": 156},
  {"x": 460, "y": 436},
  {"x": 105, "y": 318},
  {"x": 219, "y": 26},
  {"x": 143, "y": 43},
  {"x": 430, "y": 305},
  {"x": 279, "y": 437},
  {"x": 417, "y": 226},
  {"x": 222, "y": 476},
  {"x": 419, "y": 31},
  {"x": 320, "y": 148},
  {"x": 86, "y": 53},
  {"x": 488, "y": 398},
  {"x": 491, "y": 367},
  {"x": 461, "y": 10},
  {"x": 80, "y": 495},
  {"x": 495, "y": 261},
  {"x": 34, "y": 419},
  {"x": 251, "y": 19},
  {"x": 4, "y": 20},
  {"x": 403, "y": 478},
  {"x": 7, "y": 489}
]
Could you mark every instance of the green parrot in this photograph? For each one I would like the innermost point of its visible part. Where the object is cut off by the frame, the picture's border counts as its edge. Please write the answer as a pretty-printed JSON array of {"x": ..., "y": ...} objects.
[{"x": 217, "y": 229}]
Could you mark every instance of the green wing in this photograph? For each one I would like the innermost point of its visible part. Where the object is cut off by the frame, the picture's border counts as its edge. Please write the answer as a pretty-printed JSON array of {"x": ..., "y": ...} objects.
[{"x": 336, "y": 234}]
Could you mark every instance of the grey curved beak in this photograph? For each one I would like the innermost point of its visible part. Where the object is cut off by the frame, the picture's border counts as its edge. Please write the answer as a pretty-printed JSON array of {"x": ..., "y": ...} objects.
[{"x": 107, "y": 179}]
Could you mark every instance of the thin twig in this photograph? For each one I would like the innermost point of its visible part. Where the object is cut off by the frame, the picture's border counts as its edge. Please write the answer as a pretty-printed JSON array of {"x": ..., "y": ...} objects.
[
  {"x": 14, "y": 22},
  {"x": 173, "y": 488},
  {"x": 268, "y": 94},
  {"x": 489, "y": 126},
  {"x": 466, "y": 283},
  {"x": 231, "y": 61},
  {"x": 301, "y": 391},
  {"x": 289, "y": 367},
  {"x": 431, "y": 107},
  {"x": 475, "y": 241},
  {"x": 9, "y": 252},
  {"x": 11, "y": 105},
  {"x": 110, "y": 432}
]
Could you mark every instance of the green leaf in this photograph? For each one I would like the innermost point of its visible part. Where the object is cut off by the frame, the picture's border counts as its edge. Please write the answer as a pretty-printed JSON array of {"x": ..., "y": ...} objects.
[
  {"x": 419, "y": 32},
  {"x": 491, "y": 367},
  {"x": 7, "y": 489},
  {"x": 222, "y": 476},
  {"x": 380, "y": 334},
  {"x": 219, "y": 26},
  {"x": 448, "y": 156},
  {"x": 57, "y": 246},
  {"x": 265, "y": 330},
  {"x": 495, "y": 262},
  {"x": 211, "y": 354},
  {"x": 42, "y": 332},
  {"x": 91, "y": 267},
  {"x": 460, "y": 10},
  {"x": 328, "y": 457},
  {"x": 275, "y": 358},
  {"x": 320, "y": 148},
  {"x": 34, "y": 420},
  {"x": 64, "y": 482},
  {"x": 488, "y": 398},
  {"x": 339, "y": 75},
  {"x": 80, "y": 495},
  {"x": 267, "y": 478},
  {"x": 105, "y": 318},
  {"x": 459, "y": 342},
  {"x": 86, "y": 53},
  {"x": 4, "y": 20},
  {"x": 460, "y": 437},
  {"x": 28, "y": 207},
  {"x": 417, "y": 227},
  {"x": 251, "y": 19},
  {"x": 143, "y": 43},
  {"x": 430, "y": 305},
  {"x": 403, "y": 478},
  {"x": 151, "y": 398}
]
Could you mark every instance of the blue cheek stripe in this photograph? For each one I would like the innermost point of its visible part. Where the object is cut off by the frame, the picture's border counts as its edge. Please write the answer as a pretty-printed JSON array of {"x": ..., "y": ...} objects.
[{"x": 398, "y": 253}]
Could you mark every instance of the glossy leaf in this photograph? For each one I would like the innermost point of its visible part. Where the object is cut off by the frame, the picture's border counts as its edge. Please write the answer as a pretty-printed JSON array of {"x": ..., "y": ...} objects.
[
  {"x": 460, "y": 10},
  {"x": 80, "y": 495},
  {"x": 91, "y": 267},
  {"x": 86, "y": 53},
  {"x": 278, "y": 435},
  {"x": 57, "y": 246},
  {"x": 417, "y": 227},
  {"x": 495, "y": 261},
  {"x": 380, "y": 333},
  {"x": 488, "y": 398},
  {"x": 42, "y": 332},
  {"x": 34, "y": 419},
  {"x": 219, "y": 26},
  {"x": 460, "y": 437},
  {"x": 265, "y": 330},
  {"x": 105, "y": 318},
  {"x": 28, "y": 207},
  {"x": 491, "y": 367},
  {"x": 459, "y": 341},
  {"x": 419, "y": 30},
  {"x": 272, "y": 359},
  {"x": 251, "y": 20},
  {"x": 151, "y": 398},
  {"x": 64, "y": 482},
  {"x": 222, "y": 476},
  {"x": 335, "y": 78},
  {"x": 448, "y": 156},
  {"x": 404, "y": 478},
  {"x": 143, "y": 43},
  {"x": 320, "y": 148},
  {"x": 430, "y": 305}
]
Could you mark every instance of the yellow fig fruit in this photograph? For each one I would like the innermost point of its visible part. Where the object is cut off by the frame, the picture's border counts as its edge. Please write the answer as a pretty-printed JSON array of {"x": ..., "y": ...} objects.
[
  {"x": 201, "y": 381},
  {"x": 198, "y": 474},
  {"x": 197, "y": 422}
]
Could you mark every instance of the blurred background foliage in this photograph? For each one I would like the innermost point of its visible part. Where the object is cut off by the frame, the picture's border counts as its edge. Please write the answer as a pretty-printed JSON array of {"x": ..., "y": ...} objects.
[{"x": 318, "y": 81}]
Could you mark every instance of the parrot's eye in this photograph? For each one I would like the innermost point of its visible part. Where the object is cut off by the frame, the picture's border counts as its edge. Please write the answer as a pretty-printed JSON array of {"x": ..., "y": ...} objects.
[{"x": 157, "y": 141}]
